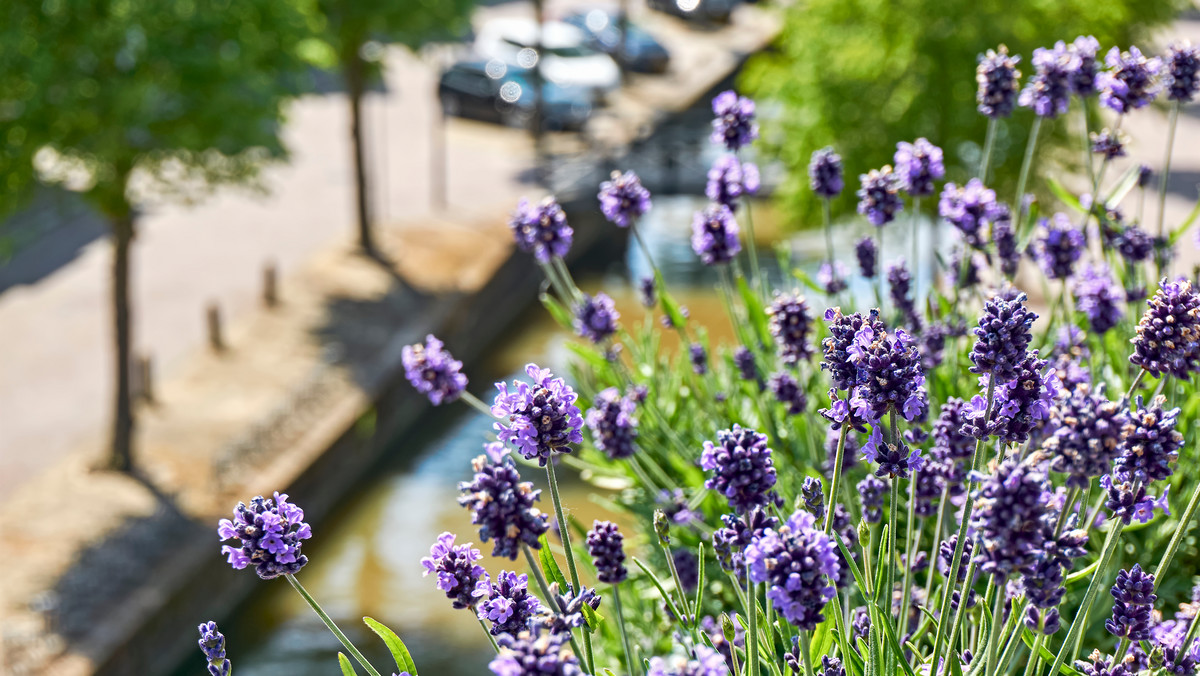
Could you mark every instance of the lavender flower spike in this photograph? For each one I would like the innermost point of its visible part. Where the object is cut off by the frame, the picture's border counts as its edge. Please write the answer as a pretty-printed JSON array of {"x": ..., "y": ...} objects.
[
  {"x": 1132, "y": 81},
  {"x": 1168, "y": 335},
  {"x": 1007, "y": 518},
  {"x": 506, "y": 602},
  {"x": 596, "y": 317},
  {"x": 997, "y": 77},
  {"x": 825, "y": 173},
  {"x": 790, "y": 324},
  {"x": 741, "y": 468},
  {"x": 1083, "y": 65},
  {"x": 501, "y": 504},
  {"x": 606, "y": 545},
  {"x": 879, "y": 197},
  {"x": 1183, "y": 62},
  {"x": 542, "y": 417},
  {"x": 614, "y": 429},
  {"x": 1048, "y": 92},
  {"x": 1059, "y": 246},
  {"x": 623, "y": 199},
  {"x": 1099, "y": 298},
  {"x": 799, "y": 564},
  {"x": 971, "y": 209},
  {"x": 715, "y": 235},
  {"x": 535, "y": 653},
  {"x": 270, "y": 532},
  {"x": 867, "y": 253},
  {"x": 457, "y": 572},
  {"x": 918, "y": 165},
  {"x": 212, "y": 644},
  {"x": 733, "y": 123},
  {"x": 1133, "y": 603},
  {"x": 433, "y": 371},
  {"x": 707, "y": 662},
  {"x": 729, "y": 180},
  {"x": 541, "y": 229},
  {"x": 1150, "y": 442}
]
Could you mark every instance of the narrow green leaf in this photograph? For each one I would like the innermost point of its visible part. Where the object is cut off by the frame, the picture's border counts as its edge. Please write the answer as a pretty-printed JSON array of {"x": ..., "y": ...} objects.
[
  {"x": 549, "y": 565},
  {"x": 807, "y": 281},
  {"x": 557, "y": 311},
  {"x": 670, "y": 307},
  {"x": 700, "y": 583},
  {"x": 1187, "y": 222},
  {"x": 1126, "y": 183},
  {"x": 1064, "y": 195},
  {"x": 399, "y": 651},
  {"x": 758, "y": 316},
  {"x": 1047, "y": 656},
  {"x": 347, "y": 667},
  {"x": 1085, "y": 574},
  {"x": 661, "y": 589}
]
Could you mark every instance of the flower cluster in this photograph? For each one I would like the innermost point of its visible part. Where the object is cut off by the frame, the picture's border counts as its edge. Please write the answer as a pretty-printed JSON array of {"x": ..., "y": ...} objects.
[
  {"x": 212, "y": 644},
  {"x": 1168, "y": 335},
  {"x": 606, "y": 545},
  {"x": 1059, "y": 244},
  {"x": 270, "y": 532},
  {"x": 918, "y": 165},
  {"x": 1084, "y": 66},
  {"x": 535, "y": 653},
  {"x": 501, "y": 504},
  {"x": 972, "y": 209},
  {"x": 613, "y": 425},
  {"x": 742, "y": 468},
  {"x": 1048, "y": 91},
  {"x": 825, "y": 173},
  {"x": 1087, "y": 437},
  {"x": 432, "y": 371},
  {"x": 800, "y": 566},
  {"x": 787, "y": 391},
  {"x": 733, "y": 123},
  {"x": 715, "y": 235},
  {"x": 505, "y": 601},
  {"x": 1008, "y": 518},
  {"x": 1133, "y": 601},
  {"x": 867, "y": 254},
  {"x": 890, "y": 377},
  {"x": 707, "y": 662},
  {"x": 998, "y": 80},
  {"x": 1131, "y": 81},
  {"x": 457, "y": 572},
  {"x": 1183, "y": 62},
  {"x": 623, "y": 199},
  {"x": 541, "y": 229},
  {"x": 790, "y": 324},
  {"x": 729, "y": 179},
  {"x": 879, "y": 197},
  {"x": 1150, "y": 444},
  {"x": 542, "y": 418},
  {"x": 596, "y": 317},
  {"x": 1098, "y": 298}
]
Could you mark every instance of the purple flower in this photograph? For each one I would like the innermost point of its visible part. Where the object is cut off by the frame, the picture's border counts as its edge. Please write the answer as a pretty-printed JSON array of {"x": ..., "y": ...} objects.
[
  {"x": 1005, "y": 237},
  {"x": 963, "y": 268},
  {"x": 896, "y": 460},
  {"x": 1128, "y": 500},
  {"x": 832, "y": 277},
  {"x": 890, "y": 377},
  {"x": 870, "y": 492},
  {"x": 501, "y": 504},
  {"x": 733, "y": 123},
  {"x": 688, "y": 567},
  {"x": 623, "y": 199},
  {"x": 729, "y": 542},
  {"x": 715, "y": 235},
  {"x": 918, "y": 165},
  {"x": 825, "y": 173},
  {"x": 567, "y": 608},
  {"x": 596, "y": 317},
  {"x": 699, "y": 358},
  {"x": 457, "y": 571},
  {"x": 270, "y": 533},
  {"x": 1088, "y": 436},
  {"x": 1098, "y": 297},
  {"x": 1020, "y": 404},
  {"x": 800, "y": 566},
  {"x": 1150, "y": 442},
  {"x": 606, "y": 545},
  {"x": 743, "y": 359},
  {"x": 1002, "y": 336},
  {"x": 813, "y": 496},
  {"x": 741, "y": 468},
  {"x": 212, "y": 644},
  {"x": 840, "y": 346},
  {"x": 542, "y": 417},
  {"x": 790, "y": 323},
  {"x": 868, "y": 255},
  {"x": 729, "y": 180},
  {"x": 1168, "y": 335},
  {"x": 879, "y": 197},
  {"x": 1007, "y": 518},
  {"x": 534, "y": 654},
  {"x": 432, "y": 371},
  {"x": 613, "y": 426},
  {"x": 542, "y": 229},
  {"x": 1131, "y": 82},
  {"x": 1058, "y": 246},
  {"x": 997, "y": 77},
  {"x": 972, "y": 209},
  {"x": 900, "y": 288},
  {"x": 1083, "y": 66},
  {"x": 933, "y": 344},
  {"x": 1133, "y": 602},
  {"x": 787, "y": 390},
  {"x": 1109, "y": 143},
  {"x": 1183, "y": 61},
  {"x": 951, "y": 448},
  {"x": 707, "y": 662},
  {"x": 506, "y": 602},
  {"x": 1134, "y": 244},
  {"x": 1048, "y": 92}
]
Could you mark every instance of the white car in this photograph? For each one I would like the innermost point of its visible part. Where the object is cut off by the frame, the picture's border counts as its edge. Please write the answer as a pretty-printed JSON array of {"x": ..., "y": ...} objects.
[{"x": 566, "y": 61}]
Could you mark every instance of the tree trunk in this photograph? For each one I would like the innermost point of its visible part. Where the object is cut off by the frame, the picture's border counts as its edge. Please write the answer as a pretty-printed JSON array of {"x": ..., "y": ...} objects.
[
  {"x": 121, "y": 451},
  {"x": 355, "y": 87}
]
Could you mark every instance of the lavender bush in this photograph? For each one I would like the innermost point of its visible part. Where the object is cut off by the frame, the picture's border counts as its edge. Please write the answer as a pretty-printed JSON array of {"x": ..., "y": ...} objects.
[{"x": 946, "y": 487}]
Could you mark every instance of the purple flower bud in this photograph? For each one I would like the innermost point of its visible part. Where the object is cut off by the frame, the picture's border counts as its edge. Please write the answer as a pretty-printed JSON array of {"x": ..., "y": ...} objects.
[
  {"x": 623, "y": 199},
  {"x": 715, "y": 235},
  {"x": 972, "y": 209},
  {"x": 699, "y": 357},
  {"x": 649, "y": 291},
  {"x": 1109, "y": 143},
  {"x": 1183, "y": 62},
  {"x": 542, "y": 417},
  {"x": 843, "y": 331},
  {"x": 787, "y": 391},
  {"x": 729, "y": 180},
  {"x": 1048, "y": 92},
  {"x": 542, "y": 229},
  {"x": 790, "y": 324},
  {"x": 1128, "y": 500},
  {"x": 813, "y": 496},
  {"x": 1058, "y": 246},
  {"x": 832, "y": 277},
  {"x": 890, "y": 377},
  {"x": 729, "y": 542},
  {"x": 1005, "y": 237},
  {"x": 918, "y": 165},
  {"x": 868, "y": 255},
  {"x": 1168, "y": 335},
  {"x": 270, "y": 532},
  {"x": 1133, "y": 602},
  {"x": 506, "y": 602},
  {"x": 799, "y": 564},
  {"x": 457, "y": 571},
  {"x": 535, "y": 654},
  {"x": 606, "y": 545},
  {"x": 1007, "y": 518},
  {"x": 613, "y": 425},
  {"x": 707, "y": 662},
  {"x": 734, "y": 125},
  {"x": 1097, "y": 297},
  {"x": 825, "y": 173},
  {"x": 743, "y": 359},
  {"x": 879, "y": 197},
  {"x": 1084, "y": 66},
  {"x": 870, "y": 492},
  {"x": 1134, "y": 244},
  {"x": 596, "y": 317},
  {"x": 1131, "y": 82},
  {"x": 501, "y": 504},
  {"x": 212, "y": 644},
  {"x": 432, "y": 371},
  {"x": 900, "y": 288},
  {"x": 1088, "y": 436},
  {"x": 998, "y": 80},
  {"x": 741, "y": 468},
  {"x": 1021, "y": 404},
  {"x": 567, "y": 608},
  {"x": 1150, "y": 442}
]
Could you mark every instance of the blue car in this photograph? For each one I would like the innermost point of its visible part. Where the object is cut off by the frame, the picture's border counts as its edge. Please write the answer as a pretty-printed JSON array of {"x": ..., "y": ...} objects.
[{"x": 642, "y": 53}]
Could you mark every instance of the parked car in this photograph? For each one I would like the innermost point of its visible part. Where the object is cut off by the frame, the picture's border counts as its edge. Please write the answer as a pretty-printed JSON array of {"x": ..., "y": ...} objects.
[
  {"x": 710, "y": 11},
  {"x": 565, "y": 60},
  {"x": 493, "y": 92},
  {"x": 602, "y": 32}
]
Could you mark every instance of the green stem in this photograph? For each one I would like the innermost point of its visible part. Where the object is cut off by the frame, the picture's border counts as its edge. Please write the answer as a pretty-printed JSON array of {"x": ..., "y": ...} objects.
[
  {"x": 1166, "y": 170},
  {"x": 989, "y": 142},
  {"x": 477, "y": 404},
  {"x": 912, "y": 536},
  {"x": 837, "y": 477},
  {"x": 659, "y": 281},
  {"x": 1026, "y": 163},
  {"x": 565, "y": 530},
  {"x": 753, "y": 248},
  {"x": 547, "y": 594},
  {"x": 937, "y": 543},
  {"x": 882, "y": 292},
  {"x": 752, "y": 636},
  {"x": 1181, "y": 530},
  {"x": 624, "y": 634},
  {"x": 564, "y": 274},
  {"x": 916, "y": 236},
  {"x": 491, "y": 639},
  {"x": 358, "y": 656},
  {"x": 1087, "y": 140},
  {"x": 805, "y": 657},
  {"x": 1110, "y": 546},
  {"x": 997, "y": 613},
  {"x": 1137, "y": 380},
  {"x": 827, "y": 216}
]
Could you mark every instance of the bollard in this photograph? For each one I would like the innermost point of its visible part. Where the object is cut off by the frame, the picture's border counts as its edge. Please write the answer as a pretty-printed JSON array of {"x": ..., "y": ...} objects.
[
  {"x": 270, "y": 285},
  {"x": 144, "y": 378},
  {"x": 214, "y": 328}
]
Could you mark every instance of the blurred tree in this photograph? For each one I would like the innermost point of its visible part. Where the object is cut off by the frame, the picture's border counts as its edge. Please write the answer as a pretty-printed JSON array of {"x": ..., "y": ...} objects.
[
  {"x": 862, "y": 75},
  {"x": 127, "y": 100},
  {"x": 354, "y": 32}
]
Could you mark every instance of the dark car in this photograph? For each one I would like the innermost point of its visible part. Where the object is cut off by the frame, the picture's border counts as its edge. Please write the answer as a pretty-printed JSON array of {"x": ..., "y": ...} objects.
[
  {"x": 707, "y": 11},
  {"x": 494, "y": 92},
  {"x": 641, "y": 53}
]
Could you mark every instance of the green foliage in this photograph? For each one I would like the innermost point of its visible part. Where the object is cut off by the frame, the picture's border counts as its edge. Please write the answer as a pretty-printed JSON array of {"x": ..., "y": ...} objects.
[
  {"x": 186, "y": 93},
  {"x": 862, "y": 75},
  {"x": 347, "y": 25}
]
